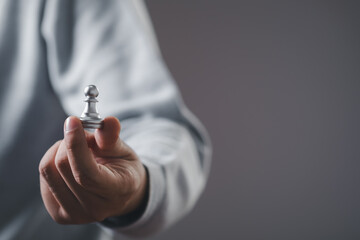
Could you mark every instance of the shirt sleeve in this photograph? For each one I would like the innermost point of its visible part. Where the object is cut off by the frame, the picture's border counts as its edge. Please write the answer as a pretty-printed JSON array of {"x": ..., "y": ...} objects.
[{"x": 111, "y": 44}]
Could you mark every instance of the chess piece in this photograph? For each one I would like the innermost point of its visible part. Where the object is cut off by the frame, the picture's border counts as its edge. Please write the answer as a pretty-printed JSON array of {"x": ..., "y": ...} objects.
[{"x": 90, "y": 118}]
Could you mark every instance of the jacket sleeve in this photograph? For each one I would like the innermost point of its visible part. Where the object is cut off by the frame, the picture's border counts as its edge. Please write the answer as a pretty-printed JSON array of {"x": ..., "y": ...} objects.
[{"x": 111, "y": 44}]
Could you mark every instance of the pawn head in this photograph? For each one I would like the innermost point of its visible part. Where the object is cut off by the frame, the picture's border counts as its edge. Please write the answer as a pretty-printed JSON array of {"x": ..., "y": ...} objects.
[{"x": 91, "y": 91}]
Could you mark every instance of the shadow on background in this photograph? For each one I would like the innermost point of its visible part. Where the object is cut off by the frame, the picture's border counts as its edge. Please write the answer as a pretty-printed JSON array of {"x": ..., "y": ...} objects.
[{"x": 277, "y": 85}]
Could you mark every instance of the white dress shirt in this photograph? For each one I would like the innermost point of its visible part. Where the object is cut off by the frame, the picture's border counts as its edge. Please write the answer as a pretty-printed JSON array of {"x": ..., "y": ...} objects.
[{"x": 49, "y": 51}]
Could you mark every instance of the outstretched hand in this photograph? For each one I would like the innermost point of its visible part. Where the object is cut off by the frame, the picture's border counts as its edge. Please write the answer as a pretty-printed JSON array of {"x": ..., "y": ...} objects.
[{"x": 87, "y": 177}]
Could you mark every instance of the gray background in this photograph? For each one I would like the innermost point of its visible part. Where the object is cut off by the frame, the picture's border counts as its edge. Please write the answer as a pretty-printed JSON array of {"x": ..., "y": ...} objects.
[{"x": 277, "y": 85}]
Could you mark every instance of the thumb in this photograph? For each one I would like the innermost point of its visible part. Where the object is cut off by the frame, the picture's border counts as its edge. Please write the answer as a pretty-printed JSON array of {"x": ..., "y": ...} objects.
[{"x": 78, "y": 153}]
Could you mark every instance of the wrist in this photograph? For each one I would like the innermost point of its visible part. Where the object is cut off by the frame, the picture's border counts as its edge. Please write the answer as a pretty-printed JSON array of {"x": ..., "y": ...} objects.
[{"x": 139, "y": 204}]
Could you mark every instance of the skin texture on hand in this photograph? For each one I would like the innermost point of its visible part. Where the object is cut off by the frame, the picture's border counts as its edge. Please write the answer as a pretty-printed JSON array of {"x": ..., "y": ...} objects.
[{"x": 87, "y": 177}]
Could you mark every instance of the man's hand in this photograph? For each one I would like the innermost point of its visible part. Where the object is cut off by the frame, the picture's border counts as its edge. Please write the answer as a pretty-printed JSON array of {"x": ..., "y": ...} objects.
[{"x": 87, "y": 177}]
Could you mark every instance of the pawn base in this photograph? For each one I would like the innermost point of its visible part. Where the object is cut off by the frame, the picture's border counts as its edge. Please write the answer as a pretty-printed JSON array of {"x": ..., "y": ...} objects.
[{"x": 92, "y": 124}]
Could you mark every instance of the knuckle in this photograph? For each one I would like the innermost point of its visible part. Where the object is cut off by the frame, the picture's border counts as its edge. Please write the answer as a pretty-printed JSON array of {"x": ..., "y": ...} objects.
[
  {"x": 57, "y": 143},
  {"x": 96, "y": 214},
  {"x": 60, "y": 219},
  {"x": 53, "y": 190},
  {"x": 84, "y": 180},
  {"x": 44, "y": 169},
  {"x": 62, "y": 163},
  {"x": 48, "y": 159},
  {"x": 64, "y": 217}
]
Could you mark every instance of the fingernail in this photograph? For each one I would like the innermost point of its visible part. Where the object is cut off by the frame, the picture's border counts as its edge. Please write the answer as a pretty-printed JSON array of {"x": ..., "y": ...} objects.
[{"x": 70, "y": 125}]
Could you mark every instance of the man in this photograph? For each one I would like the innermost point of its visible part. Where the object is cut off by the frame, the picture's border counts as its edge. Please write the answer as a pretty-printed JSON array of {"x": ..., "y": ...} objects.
[{"x": 137, "y": 183}]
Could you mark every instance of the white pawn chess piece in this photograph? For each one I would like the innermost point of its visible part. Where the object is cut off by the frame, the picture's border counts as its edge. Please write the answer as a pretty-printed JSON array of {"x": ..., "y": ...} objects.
[{"x": 90, "y": 117}]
